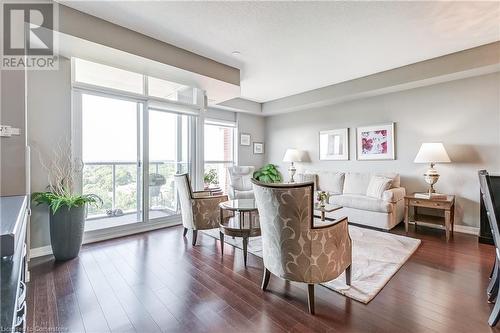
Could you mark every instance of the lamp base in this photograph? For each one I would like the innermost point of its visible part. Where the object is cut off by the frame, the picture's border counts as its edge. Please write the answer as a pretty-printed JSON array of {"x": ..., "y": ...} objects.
[
  {"x": 431, "y": 177},
  {"x": 291, "y": 173}
]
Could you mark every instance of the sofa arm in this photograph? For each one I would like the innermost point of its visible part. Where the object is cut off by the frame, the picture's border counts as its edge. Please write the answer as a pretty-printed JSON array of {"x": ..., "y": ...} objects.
[{"x": 394, "y": 194}]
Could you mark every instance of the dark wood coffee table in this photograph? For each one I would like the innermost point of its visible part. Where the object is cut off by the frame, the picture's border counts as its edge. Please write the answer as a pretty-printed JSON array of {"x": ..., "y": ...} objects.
[{"x": 243, "y": 222}]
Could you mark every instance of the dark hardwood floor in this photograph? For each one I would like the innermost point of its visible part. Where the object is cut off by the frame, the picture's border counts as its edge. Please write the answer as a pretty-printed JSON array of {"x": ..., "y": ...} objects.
[{"x": 158, "y": 281}]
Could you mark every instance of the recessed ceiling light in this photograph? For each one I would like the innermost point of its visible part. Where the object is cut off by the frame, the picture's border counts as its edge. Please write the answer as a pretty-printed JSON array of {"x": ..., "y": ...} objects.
[{"x": 236, "y": 53}]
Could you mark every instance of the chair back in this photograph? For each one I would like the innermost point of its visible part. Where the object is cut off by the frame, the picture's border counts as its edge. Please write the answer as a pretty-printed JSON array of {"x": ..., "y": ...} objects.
[
  {"x": 488, "y": 199},
  {"x": 286, "y": 216},
  {"x": 185, "y": 193},
  {"x": 240, "y": 177}
]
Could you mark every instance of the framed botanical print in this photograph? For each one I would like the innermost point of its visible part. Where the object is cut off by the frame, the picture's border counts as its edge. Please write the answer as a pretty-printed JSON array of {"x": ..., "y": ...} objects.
[
  {"x": 245, "y": 139},
  {"x": 258, "y": 148},
  {"x": 375, "y": 142},
  {"x": 334, "y": 144}
]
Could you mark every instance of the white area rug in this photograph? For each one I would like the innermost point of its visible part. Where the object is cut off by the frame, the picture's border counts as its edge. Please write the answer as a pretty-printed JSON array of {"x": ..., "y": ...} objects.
[{"x": 376, "y": 257}]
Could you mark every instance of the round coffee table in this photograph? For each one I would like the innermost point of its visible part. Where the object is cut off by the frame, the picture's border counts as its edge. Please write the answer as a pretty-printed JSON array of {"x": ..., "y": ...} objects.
[{"x": 243, "y": 222}]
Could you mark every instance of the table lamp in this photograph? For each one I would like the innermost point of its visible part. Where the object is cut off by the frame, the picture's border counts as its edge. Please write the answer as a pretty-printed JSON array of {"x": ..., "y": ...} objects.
[
  {"x": 292, "y": 155},
  {"x": 432, "y": 152}
]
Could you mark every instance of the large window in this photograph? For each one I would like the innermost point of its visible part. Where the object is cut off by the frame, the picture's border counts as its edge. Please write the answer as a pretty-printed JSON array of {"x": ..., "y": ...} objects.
[
  {"x": 111, "y": 159},
  {"x": 132, "y": 133},
  {"x": 219, "y": 154}
]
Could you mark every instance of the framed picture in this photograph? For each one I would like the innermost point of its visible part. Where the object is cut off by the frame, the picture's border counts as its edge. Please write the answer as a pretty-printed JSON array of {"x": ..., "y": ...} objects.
[
  {"x": 334, "y": 144},
  {"x": 245, "y": 139},
  {"x": 375, "y": 142},
  {"x": 258, "y": 148}
]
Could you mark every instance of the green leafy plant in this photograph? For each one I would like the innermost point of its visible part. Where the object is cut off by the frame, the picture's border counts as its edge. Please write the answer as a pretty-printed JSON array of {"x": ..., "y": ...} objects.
[
  {"x": 210, "y": 177},
  {"x": 62, "y": 172},
  {"x": 56, "y": 201},
  {"x": 268, "y": 174}
]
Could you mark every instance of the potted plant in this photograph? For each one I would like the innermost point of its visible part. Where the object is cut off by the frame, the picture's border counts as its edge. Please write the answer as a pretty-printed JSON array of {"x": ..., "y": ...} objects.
[
  {"x": 268, "y": 174},
  {"x": 210, "y": 178},
  {"x": 67, "y": 209}
]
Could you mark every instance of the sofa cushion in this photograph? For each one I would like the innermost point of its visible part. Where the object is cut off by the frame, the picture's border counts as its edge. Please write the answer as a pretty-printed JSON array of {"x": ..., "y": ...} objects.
[
  {"x": 357, "y": 182},
  {"x": 377, "y": 186},
  {"x": 331, "y": 182},
  {"x": 308, "y": 177},
  {"x": 363, "y": 202}
]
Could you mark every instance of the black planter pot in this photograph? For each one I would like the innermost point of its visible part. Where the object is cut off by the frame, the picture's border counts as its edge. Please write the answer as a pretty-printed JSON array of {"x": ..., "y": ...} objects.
[{"x": 66, "y": 232}]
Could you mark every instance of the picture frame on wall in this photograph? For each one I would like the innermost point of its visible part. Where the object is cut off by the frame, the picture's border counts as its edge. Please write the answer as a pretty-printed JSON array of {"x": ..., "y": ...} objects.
[
  {"x": 245, "y": 139},
  {"x": 334, "y": 145},
  {"x": 375, "y": 142},
  {"x": 258, "y": 148}
]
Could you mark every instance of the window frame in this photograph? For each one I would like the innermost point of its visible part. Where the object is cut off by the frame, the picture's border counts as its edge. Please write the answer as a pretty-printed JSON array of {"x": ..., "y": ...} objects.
[
  {"x": 227, "y": 124},
  {"x": 195, "y": 138}
]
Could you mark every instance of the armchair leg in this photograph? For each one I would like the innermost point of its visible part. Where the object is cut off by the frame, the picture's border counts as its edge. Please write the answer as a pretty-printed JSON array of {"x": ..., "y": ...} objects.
[
  {"x": 310, "y": 298},
  {"x": 195, "y": 234},
  {"x": 348, "y": 275},
  {"x": 265, "y": 279},
  {"x": 184, "y": 232}
]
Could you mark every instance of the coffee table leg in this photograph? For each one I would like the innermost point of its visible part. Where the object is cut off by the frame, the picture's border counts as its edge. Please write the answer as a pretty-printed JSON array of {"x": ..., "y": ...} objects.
[
  {"x": 221, "y": 242},
  {"x": 245, "y": 245}
]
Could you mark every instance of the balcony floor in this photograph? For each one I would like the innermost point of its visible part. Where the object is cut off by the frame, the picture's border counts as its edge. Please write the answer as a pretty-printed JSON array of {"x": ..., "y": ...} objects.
[{"x": 108, "y": 222}]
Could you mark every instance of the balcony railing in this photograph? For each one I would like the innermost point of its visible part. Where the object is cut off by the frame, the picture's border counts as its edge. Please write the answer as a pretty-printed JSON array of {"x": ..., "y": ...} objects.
[{"x": 116, "y": 183}]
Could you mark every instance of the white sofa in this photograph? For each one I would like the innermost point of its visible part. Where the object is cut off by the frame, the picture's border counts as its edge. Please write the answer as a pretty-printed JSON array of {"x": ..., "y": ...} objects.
[{"x": 348, "y": 189}]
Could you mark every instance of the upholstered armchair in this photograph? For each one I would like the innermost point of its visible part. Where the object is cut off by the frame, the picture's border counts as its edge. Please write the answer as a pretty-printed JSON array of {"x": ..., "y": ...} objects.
[
  {"x": 199, "y": 210},
  {"x": 240, "y": 185},
  {"x": 296, "y": 245}
]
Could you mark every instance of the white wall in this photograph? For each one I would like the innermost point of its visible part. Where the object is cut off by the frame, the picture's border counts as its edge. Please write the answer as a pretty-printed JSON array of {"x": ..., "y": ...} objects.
[
  {"x": 463, "y": 114},
  {"x": 49, "y": 124},
  {"x": 255, "y": 126},
  {"x": 12, "y": 149}
]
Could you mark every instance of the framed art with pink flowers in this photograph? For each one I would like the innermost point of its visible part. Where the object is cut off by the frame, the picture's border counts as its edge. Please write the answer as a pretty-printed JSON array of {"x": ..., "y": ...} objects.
[{"x": 375, "y": 142}]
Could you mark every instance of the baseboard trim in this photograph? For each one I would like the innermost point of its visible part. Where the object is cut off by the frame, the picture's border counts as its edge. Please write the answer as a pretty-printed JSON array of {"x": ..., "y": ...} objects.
[
  {"x": 40, "y": 251},
  {"x": 105, "y": 234},
  {"x": 463, "y": 229}
]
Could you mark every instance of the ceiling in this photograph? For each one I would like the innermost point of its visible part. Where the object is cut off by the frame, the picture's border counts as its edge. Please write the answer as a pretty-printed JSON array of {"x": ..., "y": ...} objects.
[{"x": 291, "y": 47}]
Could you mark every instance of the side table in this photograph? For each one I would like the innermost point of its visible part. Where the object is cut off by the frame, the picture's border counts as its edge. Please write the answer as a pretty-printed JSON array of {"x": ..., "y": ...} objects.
[{"x": 446, "y": 203}]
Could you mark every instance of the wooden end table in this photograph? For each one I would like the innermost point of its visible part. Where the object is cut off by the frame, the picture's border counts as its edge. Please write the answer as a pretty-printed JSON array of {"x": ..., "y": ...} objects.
[
  {"x": 327, "y": 208},
  {"x": 243, "y": 223},
  {"x": 446, "y": 203}
]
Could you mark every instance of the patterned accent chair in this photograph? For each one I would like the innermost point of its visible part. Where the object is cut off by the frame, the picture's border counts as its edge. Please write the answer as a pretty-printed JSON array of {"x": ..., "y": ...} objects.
[
  {"x": 199, "y": 210},
  {"x": 296, "y": 245},
  {"x": 240, "y": 185}
]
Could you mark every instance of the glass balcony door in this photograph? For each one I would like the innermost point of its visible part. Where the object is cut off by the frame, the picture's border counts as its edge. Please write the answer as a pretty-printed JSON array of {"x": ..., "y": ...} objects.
[
  {"x": 111, "y": 156},
  {"x": 169, "y": 135}
]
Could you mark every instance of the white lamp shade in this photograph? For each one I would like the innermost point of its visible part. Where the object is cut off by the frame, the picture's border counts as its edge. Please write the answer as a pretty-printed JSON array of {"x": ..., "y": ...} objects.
[
  {"x": 293, "y": 155},
  {"x": 432, "y": 152}
]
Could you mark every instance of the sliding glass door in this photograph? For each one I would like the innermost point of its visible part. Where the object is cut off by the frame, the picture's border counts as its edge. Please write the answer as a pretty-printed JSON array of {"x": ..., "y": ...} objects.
[
  {"x": 111, "y": 156},
  {"x": 169, "y": 135}
]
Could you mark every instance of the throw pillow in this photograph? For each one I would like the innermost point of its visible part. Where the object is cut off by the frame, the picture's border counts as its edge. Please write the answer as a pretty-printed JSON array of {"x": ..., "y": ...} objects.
[{"x": 377, "y": 186}]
